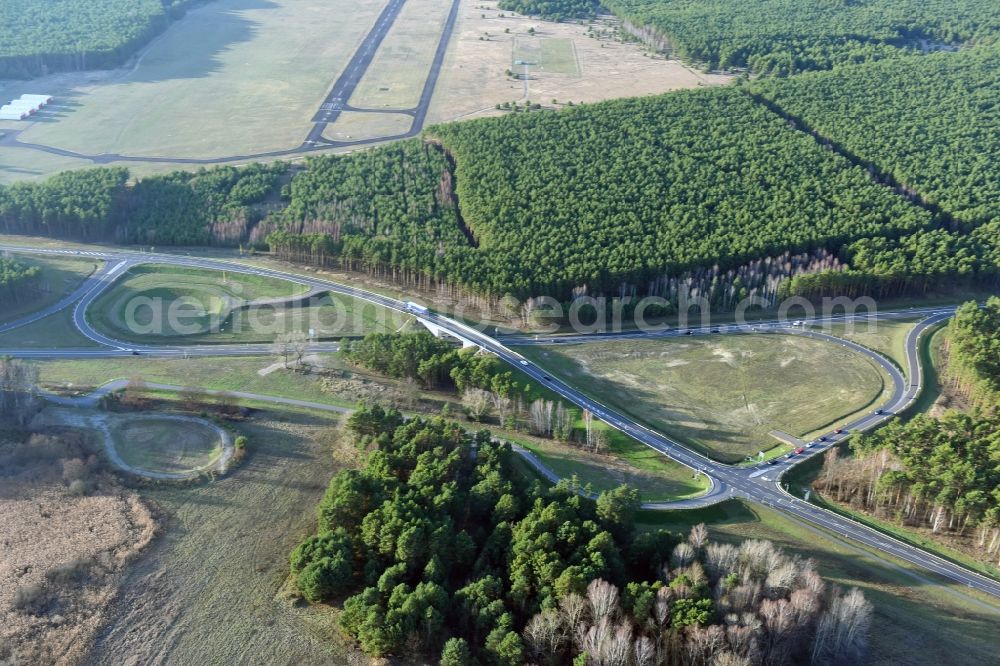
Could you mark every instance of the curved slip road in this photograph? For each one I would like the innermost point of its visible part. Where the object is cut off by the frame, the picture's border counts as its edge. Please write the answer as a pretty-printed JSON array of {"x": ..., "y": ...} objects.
[{"x": 760, "y": 484}]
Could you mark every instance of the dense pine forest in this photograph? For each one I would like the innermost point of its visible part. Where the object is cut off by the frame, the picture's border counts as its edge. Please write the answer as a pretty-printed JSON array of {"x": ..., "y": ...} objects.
[
  {"x": 943, "y": 149},
  {"x": 440, "y": 547},
  {"x": 683, "y": 181},
  {"x": 37, "y": 38},
  {"x": 211, "y": 206},
  {"x": 782, "y": 37}
]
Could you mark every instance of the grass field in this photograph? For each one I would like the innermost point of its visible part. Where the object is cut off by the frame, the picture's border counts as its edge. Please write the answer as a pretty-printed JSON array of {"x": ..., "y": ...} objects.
[
  {"x": 917, "y": 622},
  {"x": 552, "y": 55},
  {"x": 217, "y": 307},
  {"x": 224, "y": 374},
  {"x": 886, "y": 337},
  {"x": 400, "y": 68},
  {"x": 356, "y": 125},
  {"x": 932, "y": 358},
  {"x": 165, "y": 445},
  {"x": 195, "y": 306},
  {"x": 210, "y": 588},
  {"x": 723, "y": 394},
  {"x": 60, "y": 276},
  {"x": 56, "y": 330},
  {"x": 654, "y": 482},
  {"x": 233, "y": 77},
  {"x": 17, "y": 164}
]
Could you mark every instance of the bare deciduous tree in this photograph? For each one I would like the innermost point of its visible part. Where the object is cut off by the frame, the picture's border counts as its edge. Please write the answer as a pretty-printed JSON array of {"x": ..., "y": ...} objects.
[
  {"x": 698, "y": 536},
  {"x": 603, "y": 598},
  {"x": 477, "y": 403},
  {"x": 842, "y": 633}
]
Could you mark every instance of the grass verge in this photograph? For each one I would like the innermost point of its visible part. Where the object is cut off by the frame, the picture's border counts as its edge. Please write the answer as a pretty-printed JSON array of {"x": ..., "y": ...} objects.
[{"x": 60, "y": 277}]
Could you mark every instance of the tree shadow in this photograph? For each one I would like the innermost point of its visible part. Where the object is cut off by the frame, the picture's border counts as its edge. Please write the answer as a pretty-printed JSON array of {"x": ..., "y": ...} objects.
[{"x": 212, "y": 30}]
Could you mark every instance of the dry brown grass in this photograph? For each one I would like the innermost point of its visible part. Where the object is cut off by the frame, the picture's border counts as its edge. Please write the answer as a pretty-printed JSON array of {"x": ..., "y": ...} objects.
[
  {"x": 69, "y": 530},
  {"x": 473, "y": 79}
]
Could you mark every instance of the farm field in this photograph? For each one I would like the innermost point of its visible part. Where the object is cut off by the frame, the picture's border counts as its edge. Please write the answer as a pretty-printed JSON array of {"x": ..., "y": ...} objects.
[
  {"x": 723, "y": 395},
  {"x": 228, "y": 540},
  {"x": 578, "y": 68},
  {"x": 915, "y": 623},
  {"x": 232, "y": 77},
  {"x": 397, "y": 75},
  {"x": 60, "y": 276}
]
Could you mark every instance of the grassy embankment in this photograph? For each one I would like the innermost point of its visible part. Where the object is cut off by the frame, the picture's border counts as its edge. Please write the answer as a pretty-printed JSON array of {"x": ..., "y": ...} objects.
[{"x": 724, "y": 395}]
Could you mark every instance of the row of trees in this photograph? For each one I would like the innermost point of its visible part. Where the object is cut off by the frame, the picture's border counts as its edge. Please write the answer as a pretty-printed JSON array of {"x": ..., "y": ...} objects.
[
  {"x": 438, "y": 547},
  {"x": 37, "y": 38},
  {"x": 487, "y": 387},
  {"x": 974, "y": 352},
  {"x": 208, "y": 206},
  {"x": 940, "y": 474},
  {"x": 551, "y": 10},
  {"x": 16, "y": 281},
  {"x": 915, "y": 264},
  {"x": 783, "y": 37}
]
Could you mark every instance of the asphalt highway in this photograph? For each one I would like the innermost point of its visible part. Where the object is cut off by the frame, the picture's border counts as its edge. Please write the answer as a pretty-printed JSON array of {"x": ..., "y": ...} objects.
[{"x": 760, "y": 484}]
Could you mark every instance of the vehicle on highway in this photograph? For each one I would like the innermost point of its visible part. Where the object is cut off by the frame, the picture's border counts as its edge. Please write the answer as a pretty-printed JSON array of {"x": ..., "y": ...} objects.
[
  {"x": 823, "y": 438},
  {"x": 688, "y": 333},
  {"x": 838, "y": 431},
  {"x": 799, "y": 450},
  {"x": 410, "y": 306},
  {"x": 880, "y": 412}
]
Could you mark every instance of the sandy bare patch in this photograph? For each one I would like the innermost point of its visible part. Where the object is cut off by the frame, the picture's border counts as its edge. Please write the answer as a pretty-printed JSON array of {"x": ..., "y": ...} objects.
[
  {"x": 69, "y": 531},
  {"x": 474, "y": 79}
]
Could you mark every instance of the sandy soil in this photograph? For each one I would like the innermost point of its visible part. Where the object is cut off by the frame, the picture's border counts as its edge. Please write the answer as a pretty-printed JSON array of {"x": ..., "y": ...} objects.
[
  {"x": 474, "y": 80},
  {"x": 64, "y": 547}
]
